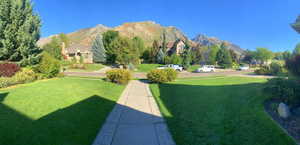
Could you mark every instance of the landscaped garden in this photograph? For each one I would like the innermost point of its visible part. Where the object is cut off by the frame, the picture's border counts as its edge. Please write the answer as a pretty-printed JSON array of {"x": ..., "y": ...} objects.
[
  {"x": 57, "y": 111},
  {"x": 83, "y": 67},
  {"x": 218, "y": 111}
]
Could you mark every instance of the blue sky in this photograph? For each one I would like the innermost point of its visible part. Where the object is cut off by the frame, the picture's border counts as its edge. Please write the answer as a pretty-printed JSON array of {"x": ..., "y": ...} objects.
[{"x": 248, "y": 23}]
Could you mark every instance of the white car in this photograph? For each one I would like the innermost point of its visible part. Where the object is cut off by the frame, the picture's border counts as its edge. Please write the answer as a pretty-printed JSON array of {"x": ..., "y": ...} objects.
[
  {"x": 206, "y": 68},
  {"x": 172, "y": 66},
  {"x": 241, "y": 68}
]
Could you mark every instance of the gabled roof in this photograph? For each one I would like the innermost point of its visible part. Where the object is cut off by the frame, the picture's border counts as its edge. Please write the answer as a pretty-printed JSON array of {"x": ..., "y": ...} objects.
[{"x": 74, "y": 48}]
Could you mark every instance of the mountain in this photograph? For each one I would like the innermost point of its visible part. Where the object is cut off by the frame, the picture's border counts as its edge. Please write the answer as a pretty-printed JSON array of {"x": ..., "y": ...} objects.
[
  {"x": 148, "y": 31},
  {"x": 208, "y": 41}
]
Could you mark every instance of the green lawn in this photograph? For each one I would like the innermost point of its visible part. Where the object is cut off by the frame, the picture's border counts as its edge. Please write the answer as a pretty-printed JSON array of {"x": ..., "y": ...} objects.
[
  {"x": 147, "y": 67},
  {"x": 66, "y": 111},
  {"x": 218, "y": 111},
  {"x": 193, "y": 68},
  {"x": 89, "y": 68}
]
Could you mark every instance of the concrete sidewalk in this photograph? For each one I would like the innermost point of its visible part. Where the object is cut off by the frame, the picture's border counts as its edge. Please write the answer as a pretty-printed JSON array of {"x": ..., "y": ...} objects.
[{"x": 135, "y": 120}]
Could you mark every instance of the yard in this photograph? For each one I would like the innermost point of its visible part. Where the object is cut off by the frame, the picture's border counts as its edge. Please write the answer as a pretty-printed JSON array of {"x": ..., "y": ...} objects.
[
  {"x": 88, "y": 68},
  {"x": 147, "y": 67},
  {"x": 66, "y": 111},
  {"x": 218, "y": 111}
]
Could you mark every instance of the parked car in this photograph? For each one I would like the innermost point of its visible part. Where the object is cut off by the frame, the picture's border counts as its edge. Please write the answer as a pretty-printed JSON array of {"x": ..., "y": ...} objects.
[
  {"x": 172, "y": 66},
  {"x": 206, "y": 68},
  {"x": 241, "y": 68}
]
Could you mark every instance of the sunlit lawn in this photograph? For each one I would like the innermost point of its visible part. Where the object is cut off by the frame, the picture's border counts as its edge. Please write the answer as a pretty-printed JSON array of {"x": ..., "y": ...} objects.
[
  {"x": 89, "y": 68},
  {"x": 66, "y": 111},
  {"x": 218, "y": 111},
  {"x": 147, "y": 67}
]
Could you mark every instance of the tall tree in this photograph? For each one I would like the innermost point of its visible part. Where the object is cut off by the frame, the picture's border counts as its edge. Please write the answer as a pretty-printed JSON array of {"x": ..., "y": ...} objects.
[
  {"x": 296, "y": 25},
  {"x": 160, "y": 56},
  {"x": 263, "y": 55},
  {"x": 297, "y": 49},
  {"x": 164, "y": 43},
  {"x": 234, "y": 56},
  {"x": 98, "y": 50},
  {"x": 107, "y": 38},
  {"x": 212, "y": 58},
  {"x": 154, "y": 51},
  {"x": 187, "y": 58},
  {"x": 139, "y": 44},
  {"x": 20, "y": 30},
  {"x": 54, "y": 48},
  {"x": 223, "y": 57}
]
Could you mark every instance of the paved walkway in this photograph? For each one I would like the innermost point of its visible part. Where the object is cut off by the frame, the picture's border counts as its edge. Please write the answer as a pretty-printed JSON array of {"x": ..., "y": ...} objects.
[{"x": 135, "y": 120}]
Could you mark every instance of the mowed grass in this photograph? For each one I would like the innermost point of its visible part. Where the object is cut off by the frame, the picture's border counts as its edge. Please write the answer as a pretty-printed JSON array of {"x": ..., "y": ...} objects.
[
  {"x": 89, "y": 68},
  {"x": 66, "y": 111},
  {"x": 218, "y": 111},
  {"x": 147, "y": 67}
]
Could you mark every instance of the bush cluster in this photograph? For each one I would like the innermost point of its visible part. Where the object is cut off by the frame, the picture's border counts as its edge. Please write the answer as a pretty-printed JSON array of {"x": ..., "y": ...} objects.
[
  {"x": 49, "y": 67},
  {"x": 8, "y": 69},
  {"x": 274, "y": 68},
  {"x": 162, "y": 76},
  {"x": 119, "y": 76},
  {"x": 26, "y": 75},
  {"x": 287, "y": 90}
]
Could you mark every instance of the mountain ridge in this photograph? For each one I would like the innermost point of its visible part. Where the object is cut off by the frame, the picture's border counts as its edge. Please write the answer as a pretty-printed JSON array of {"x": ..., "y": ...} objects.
[{"x": 147, "y": 30}]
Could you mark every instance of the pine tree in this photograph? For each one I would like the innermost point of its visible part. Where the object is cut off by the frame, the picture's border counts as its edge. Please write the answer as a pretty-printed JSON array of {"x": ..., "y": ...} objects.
[
  {"x": 154, "y": 51},
  {"x": 160, "y": 56},
  {"x": 164, "y": 43},
  {"x": 20, "y": 30},
  {"x": 99, "y": 52}
]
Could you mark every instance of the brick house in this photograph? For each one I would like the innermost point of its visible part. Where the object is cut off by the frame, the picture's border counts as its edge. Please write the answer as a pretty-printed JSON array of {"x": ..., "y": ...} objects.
[{"x": 176, "y": 47}]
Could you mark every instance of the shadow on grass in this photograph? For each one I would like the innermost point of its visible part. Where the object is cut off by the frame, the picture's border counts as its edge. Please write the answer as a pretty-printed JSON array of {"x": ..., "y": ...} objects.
[
  {"x": 218, "y": 115},
  {"x": 77, "y": 124}
]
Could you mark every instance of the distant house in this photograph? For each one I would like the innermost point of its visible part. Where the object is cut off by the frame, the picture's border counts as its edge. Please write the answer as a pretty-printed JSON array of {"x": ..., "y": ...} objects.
[
  {"x": 77, "y": 51},
  {"x": 176, "y": 47}
]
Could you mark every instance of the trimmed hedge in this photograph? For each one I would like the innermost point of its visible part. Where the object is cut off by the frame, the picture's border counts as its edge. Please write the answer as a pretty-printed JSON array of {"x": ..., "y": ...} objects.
[
  {"x": 8, "y": 69},
  {"x": 119, "y": 76},
  {"x": 162, "y": 76}
]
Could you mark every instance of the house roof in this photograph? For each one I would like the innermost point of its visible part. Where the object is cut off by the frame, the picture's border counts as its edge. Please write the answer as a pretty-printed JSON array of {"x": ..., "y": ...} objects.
[
  {"x": 73, "y": 48},
  {"x": 170, "y": 44}
]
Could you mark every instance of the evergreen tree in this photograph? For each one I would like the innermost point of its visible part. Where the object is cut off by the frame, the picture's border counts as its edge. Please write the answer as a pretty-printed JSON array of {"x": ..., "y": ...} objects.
[
  {"x": 154, "y": 51},
  {"x": 160, "y": 57},
  {"x": 224, "y": 58},
  {"x": 20, "y": 30},
  {"x": 187, "y": 58},
  {"x": 98, "y": 50},
  {"x": 296, "y": 25},
  {"x": 297, "y": 50},
  {"x": 164, "y": 43}
]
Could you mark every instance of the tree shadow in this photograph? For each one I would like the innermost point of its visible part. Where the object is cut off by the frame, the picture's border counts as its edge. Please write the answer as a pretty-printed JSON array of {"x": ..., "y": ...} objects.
[
  {"x": 220, "y": 115},
  {"x": 77, "y": 124}
]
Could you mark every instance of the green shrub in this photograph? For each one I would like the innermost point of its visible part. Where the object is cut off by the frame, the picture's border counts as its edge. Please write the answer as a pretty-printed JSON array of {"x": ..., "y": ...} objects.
[
  {"x": 171, "y": 74},
  {"x": 49, "y": 67},
  {"x": 274, "y": 68},
  {"x": 264, "y": 70},
  {"x": 158, "y": 76},
  {"x": 287, "y": 90},
  {"x": 26, "y": 75},
  {"x": 119, "y": 76},
  {"x": 162, "y": 76},
  {"x": 6, "y": 82}
]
